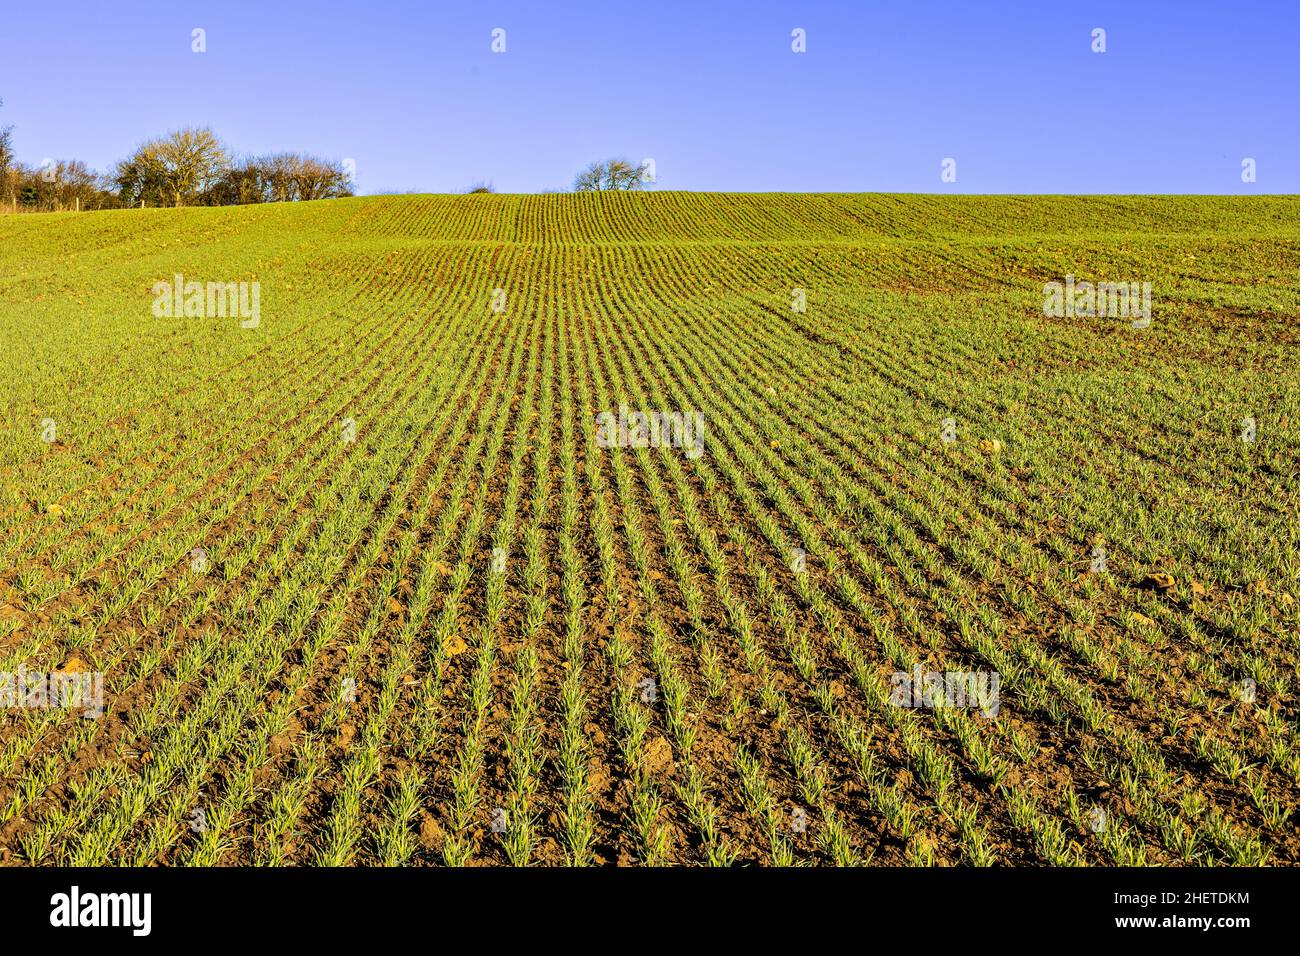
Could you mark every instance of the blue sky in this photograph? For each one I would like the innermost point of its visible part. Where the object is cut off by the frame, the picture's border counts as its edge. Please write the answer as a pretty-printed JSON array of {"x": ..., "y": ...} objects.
[{"x": 414, "y": 95}]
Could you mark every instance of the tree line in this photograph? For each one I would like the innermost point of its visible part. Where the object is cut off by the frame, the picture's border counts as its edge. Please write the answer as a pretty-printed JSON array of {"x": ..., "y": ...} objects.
[
  {"x": 189, "y": 167},
  {"x": 193, "y": 167}
]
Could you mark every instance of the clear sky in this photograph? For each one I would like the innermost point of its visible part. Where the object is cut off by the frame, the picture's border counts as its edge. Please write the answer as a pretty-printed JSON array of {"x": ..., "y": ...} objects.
[{"x": 712, "y": 91}]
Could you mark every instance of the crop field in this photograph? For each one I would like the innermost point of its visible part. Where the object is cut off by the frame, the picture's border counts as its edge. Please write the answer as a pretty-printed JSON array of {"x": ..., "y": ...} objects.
[{"x": 658, "y": 528}]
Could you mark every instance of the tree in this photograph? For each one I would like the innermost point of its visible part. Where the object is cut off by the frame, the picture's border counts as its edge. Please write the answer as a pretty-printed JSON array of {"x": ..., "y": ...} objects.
[
  {"x": 178, "y": 168},
  {"x": 65, "y": 185},
  {"x": 282, "y": 177},
  {"x": 189, "y": 167},
  {"x": 8, "y": 181},
  {"x": 6, "y": 146},
  {"x": 311, "y": 178},
  {"x": 138, "y": 179},
  {"x": 612, "y": 174},
  {"x": 240, "y": 185}
]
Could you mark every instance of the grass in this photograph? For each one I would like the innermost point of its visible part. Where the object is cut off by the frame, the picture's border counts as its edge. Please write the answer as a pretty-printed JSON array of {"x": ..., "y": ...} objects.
[{"x": 364, "y": 587}]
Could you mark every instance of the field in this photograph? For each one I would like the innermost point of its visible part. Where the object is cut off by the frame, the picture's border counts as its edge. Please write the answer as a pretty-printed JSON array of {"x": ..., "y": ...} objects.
[{"x": 366, "y": 580}]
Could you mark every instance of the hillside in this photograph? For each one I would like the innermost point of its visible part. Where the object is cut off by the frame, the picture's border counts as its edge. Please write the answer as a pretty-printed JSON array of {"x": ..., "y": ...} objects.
[{"x": 365, "y": 582}]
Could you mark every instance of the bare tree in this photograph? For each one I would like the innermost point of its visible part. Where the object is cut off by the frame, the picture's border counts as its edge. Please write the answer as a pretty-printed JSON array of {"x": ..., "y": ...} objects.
[
  {"x": 282, "y": 177},
  {"x": 179, "y": 168},
  {"x": 7, "y": 181},
  {"x": 62, "y": 185},
  {"x": 138, "y": 179},
  {"x": 6, "y": 146},
  {"x": 612, "y": 174},
  {"x": 66, "y": 184}
]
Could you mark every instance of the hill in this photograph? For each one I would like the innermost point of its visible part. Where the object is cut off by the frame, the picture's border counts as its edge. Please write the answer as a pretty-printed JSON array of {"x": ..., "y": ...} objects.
[{"x": 663, "y": 527}]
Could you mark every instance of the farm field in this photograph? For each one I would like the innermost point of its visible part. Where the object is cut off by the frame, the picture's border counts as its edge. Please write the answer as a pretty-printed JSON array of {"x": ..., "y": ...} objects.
[{"x": 366, "y": 585}]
